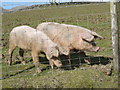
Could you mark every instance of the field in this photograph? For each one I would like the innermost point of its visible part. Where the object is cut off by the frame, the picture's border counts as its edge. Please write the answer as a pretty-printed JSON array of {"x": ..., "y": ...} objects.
[{"x": 95, "y": 17}]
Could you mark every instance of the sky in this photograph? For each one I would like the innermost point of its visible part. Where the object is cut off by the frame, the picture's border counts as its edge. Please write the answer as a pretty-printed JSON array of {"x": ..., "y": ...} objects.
[
  {"x": 24, "y": 0},
  {"x": 46, "y": 0}
]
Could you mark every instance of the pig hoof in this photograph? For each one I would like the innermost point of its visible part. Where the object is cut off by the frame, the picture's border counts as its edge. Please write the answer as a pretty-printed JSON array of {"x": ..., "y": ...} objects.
[
  {"x": 38, "y": 70},
  {"x": 23, "y": 62},
  {"x": 52, "y": 67},
  {"x": 9, "y": 63},
  {"x": 59, "y": 69},
  {"x": 6, "y": 62},
  {"x": 34, "y": 74}
]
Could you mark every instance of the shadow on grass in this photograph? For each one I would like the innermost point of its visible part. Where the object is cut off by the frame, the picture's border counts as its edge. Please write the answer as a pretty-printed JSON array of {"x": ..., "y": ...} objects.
[
  {"x": 75, "y": 59},
  {"x": 19, "y": 72},
  {"x": 99, "y": 60}
]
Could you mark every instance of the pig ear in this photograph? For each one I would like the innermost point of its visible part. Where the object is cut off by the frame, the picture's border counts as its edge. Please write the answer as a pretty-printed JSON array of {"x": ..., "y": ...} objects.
[
  {"x": 63, "y": 50},
  {"x": 87, "y": 37},
  {"x": 96, "y": 35}
]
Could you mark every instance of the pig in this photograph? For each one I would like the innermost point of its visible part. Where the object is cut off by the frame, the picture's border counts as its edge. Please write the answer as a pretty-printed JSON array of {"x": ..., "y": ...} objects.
[
  {"x": 28, "y": 38},
  {"x": 70, "y": 37}
]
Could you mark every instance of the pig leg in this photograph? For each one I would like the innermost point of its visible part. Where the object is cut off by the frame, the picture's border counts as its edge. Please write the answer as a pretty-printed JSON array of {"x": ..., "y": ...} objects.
[
  {"x": 11, "y": 49},
  {"x": 51, "y": 64},
  {"x": 36, "y": 61},
  {"x": 69, "y": 61},
  {"x": 83, "y": 55},
  {"x": 21, "y": 53}
]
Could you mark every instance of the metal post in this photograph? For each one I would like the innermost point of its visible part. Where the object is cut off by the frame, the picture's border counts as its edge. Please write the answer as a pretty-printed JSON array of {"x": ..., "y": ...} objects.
[{"x": 114, "y": 27}]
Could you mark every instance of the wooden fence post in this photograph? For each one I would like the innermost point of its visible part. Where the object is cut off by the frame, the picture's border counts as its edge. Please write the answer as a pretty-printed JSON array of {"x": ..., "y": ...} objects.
[
  {"x": 114, "y": 27},
  {"x": 118, "y": 19}
]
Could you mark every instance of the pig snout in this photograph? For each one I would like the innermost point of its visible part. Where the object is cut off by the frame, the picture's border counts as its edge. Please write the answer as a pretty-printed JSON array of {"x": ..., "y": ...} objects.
[
  {"x": 57, "y": 63},
  {"x": 94, "y": 49}
]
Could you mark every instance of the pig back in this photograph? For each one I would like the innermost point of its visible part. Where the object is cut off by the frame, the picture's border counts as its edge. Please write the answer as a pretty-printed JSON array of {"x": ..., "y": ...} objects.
[
  {"x": 58, "y": 33},
  {"x": 24, "y": 36}
]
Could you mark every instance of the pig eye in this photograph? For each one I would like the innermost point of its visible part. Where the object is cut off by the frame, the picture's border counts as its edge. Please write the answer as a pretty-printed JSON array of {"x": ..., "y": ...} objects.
[
  {"x": 53, "y": 57},
  {"x": 93, "y": 43}
]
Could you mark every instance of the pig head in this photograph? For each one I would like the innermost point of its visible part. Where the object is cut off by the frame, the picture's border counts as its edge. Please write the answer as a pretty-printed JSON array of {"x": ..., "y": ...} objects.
[{"x": 85, "y": 41}]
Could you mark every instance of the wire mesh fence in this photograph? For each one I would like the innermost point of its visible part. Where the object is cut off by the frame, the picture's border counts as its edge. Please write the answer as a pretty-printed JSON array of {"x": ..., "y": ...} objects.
[{"x": 98, "y": 22}]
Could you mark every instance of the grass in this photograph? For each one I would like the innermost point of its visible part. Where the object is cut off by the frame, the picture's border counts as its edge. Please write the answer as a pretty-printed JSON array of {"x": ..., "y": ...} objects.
[
  {"x": 76, "y": 78},
  {"x": 95, "y": 17}
]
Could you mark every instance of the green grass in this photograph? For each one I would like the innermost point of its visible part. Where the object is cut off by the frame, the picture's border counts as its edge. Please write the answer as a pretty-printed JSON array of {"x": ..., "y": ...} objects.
[
  {"x": 76, "y": 78},
  {"x": 95, "y": 17}
]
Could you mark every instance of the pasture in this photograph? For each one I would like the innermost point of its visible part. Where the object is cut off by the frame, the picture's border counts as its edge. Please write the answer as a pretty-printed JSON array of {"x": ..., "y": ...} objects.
[{"x": 95, "y": 17}]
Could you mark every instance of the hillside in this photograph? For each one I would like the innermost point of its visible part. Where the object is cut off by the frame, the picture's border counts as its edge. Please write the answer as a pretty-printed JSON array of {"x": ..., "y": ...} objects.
[
  {"x": 18, "y": 8},
  {"x": 2, "y": 10},
  {"x": 43, "y": 6}
]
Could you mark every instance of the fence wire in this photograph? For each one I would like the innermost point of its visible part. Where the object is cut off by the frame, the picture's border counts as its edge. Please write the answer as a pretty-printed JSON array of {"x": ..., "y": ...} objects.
[{"x": 96, "y": 22}]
